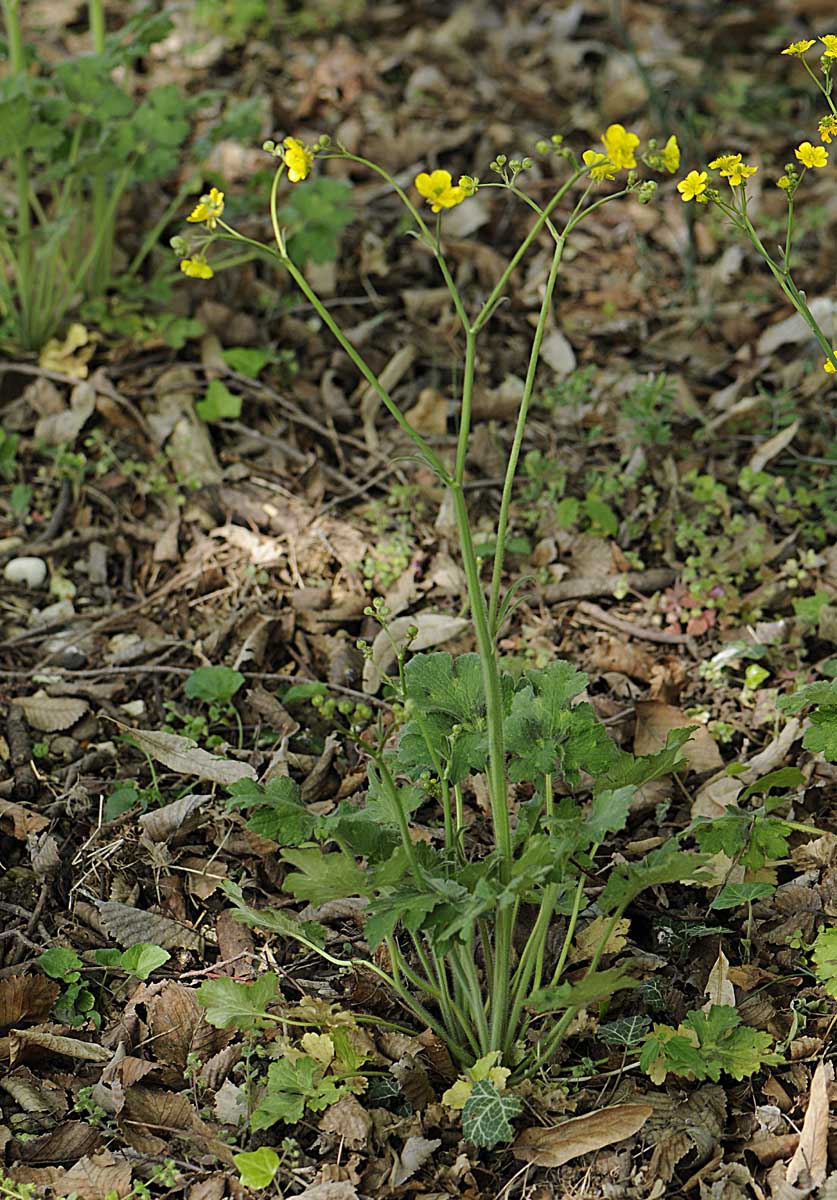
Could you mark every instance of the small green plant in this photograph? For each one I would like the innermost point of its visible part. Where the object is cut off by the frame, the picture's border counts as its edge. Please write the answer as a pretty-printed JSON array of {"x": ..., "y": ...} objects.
[
  {"x": 74, "y": 142},
  {"x": 139, "y": 960},
  {"x": 821, "y": 699},
  {"x": 706, "y": 1045},
  {"x": 314, "y": 219},
  {"x": 8, "y": 455},
  {"x": 76, "y": 1004},
  {"x": 648, "y": 409},
  {"x": 16, "y": 1191}
]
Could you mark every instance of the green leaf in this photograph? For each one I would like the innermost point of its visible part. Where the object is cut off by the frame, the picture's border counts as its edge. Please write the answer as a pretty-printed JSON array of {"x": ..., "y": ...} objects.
[
  {"x": 667, "y": 864},
  {"x": 706, "y": 1044},
  {"x": 257, "y": 1168},
  {"x": 323, "y": 877},
  {"x": 143, "y": 958},
  {"x": 279, "y": 812},
  {"x": 315, "y": 216},
  {"x": 596, "y": 987},
  {"x": 248, "y": 360},
  {"x": 214, "y": 685},
  {"x": 637, "y": 771},
  {"x": 293, "y": 1087},
  {"x": 487, "y": 1113},
  {"x": 230, "y": 1004},
  {"x": 822, "y": 694},
  {"x": 808, "y": 608},
  {"x": 750, "y": 838},
  {"x": 219, "y": 403},
  {"x": 60, "y": 962},
  {"x": 627, "y": 1031},
  {"x": 732, "y": 895},
  {"x": 273, "y": 919},
  {"x": 609, "y": 812},
  {"x": 601, "y": 515},
  {"x": 825, "y": 959},
  {"x": 821, "y": 734}
]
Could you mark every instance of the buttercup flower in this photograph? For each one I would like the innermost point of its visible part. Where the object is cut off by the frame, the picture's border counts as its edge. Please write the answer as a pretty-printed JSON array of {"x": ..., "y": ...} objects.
[
  {"x": 197, "y": 267},
  {"x": 799, "y": 48},
  {"x": 298, "y": 159},
  {"x": 438, "y": 190},
  {"x": 828, "y": 366},
  {"x": 693, "y": 186},
  {"x": 468, "y": 184},
  {"x": 600, "y": 165},
  {"x": 620, "y": 146},
  {"x": 829, "y": 40},
  {"x": 785, "y": 183},
  {"x": 828, "y": 128},
  {"x": 732, "y": 169},
  {"x": 811, "y": 156},
  {"x": 208, "y": 209},
  {"x": 671, "y": 155}
]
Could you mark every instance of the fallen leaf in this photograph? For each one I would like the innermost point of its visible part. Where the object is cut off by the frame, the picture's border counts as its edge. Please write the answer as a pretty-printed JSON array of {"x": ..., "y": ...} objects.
[
  {"x": 559, "y": 1144},
  {"x": 810, "y": 1161},
  {"x": 129, "y": 926},
  {"x": 51, "y": 713},
  {"x": 349, "y": 1121},
  {"x": 773, "y": 446},
  {"x": 654, "y": 720},
  {"x": 719, "y": 989},
  {"x": 415, "y": 1152},
  {"x": 183, "y": 755},
  {"x": 26, "y": 998}
]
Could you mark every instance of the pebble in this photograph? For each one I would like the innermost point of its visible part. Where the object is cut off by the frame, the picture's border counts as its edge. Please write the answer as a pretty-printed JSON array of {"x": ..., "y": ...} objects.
[{"x": 27, "y": 571}]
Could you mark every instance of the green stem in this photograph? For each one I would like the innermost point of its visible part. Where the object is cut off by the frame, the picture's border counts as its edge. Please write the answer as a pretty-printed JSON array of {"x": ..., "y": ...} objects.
[
  {"x": 366, "y": 371},
  {"x": 517, "y": 441}
]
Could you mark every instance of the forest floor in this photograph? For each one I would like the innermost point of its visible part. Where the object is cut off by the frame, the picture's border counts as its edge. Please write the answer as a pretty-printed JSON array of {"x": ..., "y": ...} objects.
[{"x": 214, "y": 489}]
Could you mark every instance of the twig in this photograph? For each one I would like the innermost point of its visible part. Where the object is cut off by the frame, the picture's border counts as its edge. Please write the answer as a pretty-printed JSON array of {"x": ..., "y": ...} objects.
[{"x": 600, "y": 617}]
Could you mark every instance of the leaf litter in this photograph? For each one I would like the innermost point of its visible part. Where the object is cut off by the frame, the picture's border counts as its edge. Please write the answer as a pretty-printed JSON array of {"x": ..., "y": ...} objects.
[{"x": 181, "y": 543}]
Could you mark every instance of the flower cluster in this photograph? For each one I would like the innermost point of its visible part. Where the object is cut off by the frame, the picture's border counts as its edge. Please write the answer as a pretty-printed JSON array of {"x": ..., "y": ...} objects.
[
  {"x": 801, "y": 48},
  {"x": 296, "y": 155}
]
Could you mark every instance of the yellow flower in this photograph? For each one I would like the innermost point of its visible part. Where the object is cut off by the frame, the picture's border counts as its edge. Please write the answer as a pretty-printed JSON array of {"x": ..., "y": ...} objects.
[
  {"x": 298, "y": 159},
  {"x": 732, "y": 169},
  {"x": 197, "y": 267},
  {"x": 828, "y": 366},
  {"x": 600, "y": 165},
  {"x": 797, "y": 49},
  {"x": 693, "y": 186},
  {"x": 811, "y": 156},
  {"x": 829, "y": 40},
  {"x": 469, "y": 184},
  {"x": 620, "y": 146},
  {"x": 671, "y": 155},
  {"x": 828, "y": 128},
  {"x": 208, "y": 209},
  {"x": 784, "y": 183},
  {"x": 438, "y": 190}
]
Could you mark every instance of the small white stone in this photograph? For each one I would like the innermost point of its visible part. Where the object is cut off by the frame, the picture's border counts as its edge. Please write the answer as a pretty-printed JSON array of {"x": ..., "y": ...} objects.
[{"x": 27, "y": 571}]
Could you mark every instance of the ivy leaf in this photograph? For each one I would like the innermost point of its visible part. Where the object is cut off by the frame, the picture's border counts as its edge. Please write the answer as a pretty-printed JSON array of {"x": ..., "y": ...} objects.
[
  {"x": 257, "y": 1168},
  {"x": 486, "y": 1115},
  {"x": 230, "y": 1004},
  {"x": 322, "y": 877},
  {"x": 627, "y": 1031},
  {"x": 291, "y": 1088}
]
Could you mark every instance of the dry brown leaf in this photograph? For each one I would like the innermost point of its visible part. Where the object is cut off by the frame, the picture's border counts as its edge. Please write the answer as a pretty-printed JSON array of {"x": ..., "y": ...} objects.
[
  {"x": 184, "y": 756},
  {"x": 719, "y": 989},
  {"x": 26, "y": 998},
  {"x": 655, "y": 720},
  {"x": 589, "y": 939},
  {"x": 151, "y": 1117},
  {"x": 51, "y": 713},
  {"x": 128, "y": 926},
  {"x": 810, "y": 1161},
  {"x": 18, "y": 822},
  {"x": 55, "y": 1043},
  {"x": 349, "y": 1120},
  {"x": 160, "y": 824},
  {"x": 68, "y": 1142},
  {"x": 580, "y": 1135},
  {"x": 97, "y": 1178},
  {"x": 337, "y": 1190},
  {"x": 773, "y": 446},
  {"x": 178, "y": 1027},
  {"x": 414, "y": 1154}
]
